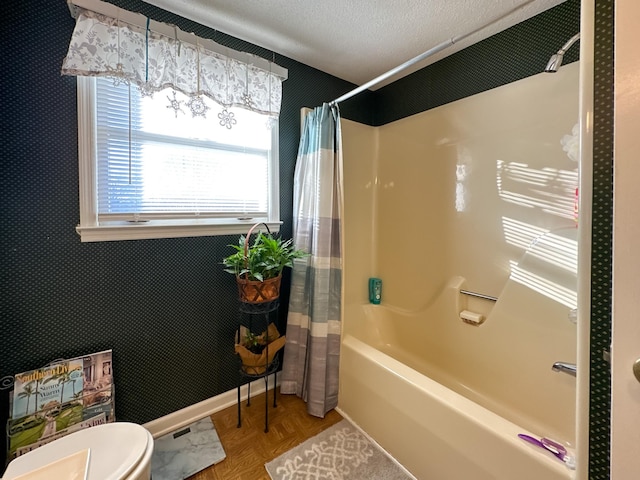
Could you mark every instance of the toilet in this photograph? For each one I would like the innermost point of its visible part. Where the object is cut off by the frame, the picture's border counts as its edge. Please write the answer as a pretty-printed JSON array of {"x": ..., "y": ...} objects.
[{"x": 117, "y": 451}]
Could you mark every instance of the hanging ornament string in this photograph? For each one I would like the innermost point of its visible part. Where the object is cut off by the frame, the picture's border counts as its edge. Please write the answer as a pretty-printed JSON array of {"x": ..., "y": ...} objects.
[
  {"x": 246, "y": 96},
  {"x": 273, "y": 58},
  {"x": 118, "y": 64},
  {"x": 196, "y": 102},
  {"x": 227, "y": 69},
  {"x": 174, "y": 103},
  {"x": 198, "y": 66},
  {"x": 178, "y": 45},
  {"x": 146, "y": 38},
  {"x": 118, "y": 71},
  {"x": 225, "y": 116}
]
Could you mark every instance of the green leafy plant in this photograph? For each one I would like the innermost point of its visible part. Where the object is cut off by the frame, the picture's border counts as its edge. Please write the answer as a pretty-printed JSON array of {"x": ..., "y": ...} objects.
[
  {"x": 265, "y": 258},
  {"x": 256, "y": 343},
  {"x": 253, "y": 342}
]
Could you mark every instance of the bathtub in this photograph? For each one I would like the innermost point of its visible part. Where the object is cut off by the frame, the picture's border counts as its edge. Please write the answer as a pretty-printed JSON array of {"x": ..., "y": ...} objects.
[{"x": 447, "y": 399}]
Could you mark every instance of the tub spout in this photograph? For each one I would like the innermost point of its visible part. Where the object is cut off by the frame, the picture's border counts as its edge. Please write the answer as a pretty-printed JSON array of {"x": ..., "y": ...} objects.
[{"x": 568, "y": 368}]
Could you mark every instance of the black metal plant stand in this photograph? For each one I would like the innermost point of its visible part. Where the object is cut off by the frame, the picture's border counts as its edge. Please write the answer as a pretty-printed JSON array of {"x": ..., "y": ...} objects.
[{"x": 256, "y": 317}]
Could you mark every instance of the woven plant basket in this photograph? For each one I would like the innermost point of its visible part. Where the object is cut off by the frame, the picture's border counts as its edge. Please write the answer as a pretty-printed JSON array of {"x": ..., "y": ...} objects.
[
  {"x": 257, "y": 363},
  {"x": 254, "y": 291}
]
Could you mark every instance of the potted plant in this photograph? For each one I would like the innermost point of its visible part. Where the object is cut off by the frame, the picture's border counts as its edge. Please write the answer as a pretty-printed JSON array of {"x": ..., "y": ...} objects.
[
  {"x": 258, "y": 266},
  {"x": 258, "y": 351}
]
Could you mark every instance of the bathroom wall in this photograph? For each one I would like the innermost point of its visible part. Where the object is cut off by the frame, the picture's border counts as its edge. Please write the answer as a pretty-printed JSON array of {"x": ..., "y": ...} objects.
[
  {"x": 460, "y": 190},
  {"x": 165, "y": 307},
  {"x": 472, "y": 183},
  {"x": 601, "y": 232},
  {"x": 360, "y": 153},
  {"x": 517, "y": 53}
]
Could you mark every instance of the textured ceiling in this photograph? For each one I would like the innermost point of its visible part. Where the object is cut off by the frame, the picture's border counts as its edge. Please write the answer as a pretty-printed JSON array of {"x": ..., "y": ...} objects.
[{"x": 356, "y": 40}]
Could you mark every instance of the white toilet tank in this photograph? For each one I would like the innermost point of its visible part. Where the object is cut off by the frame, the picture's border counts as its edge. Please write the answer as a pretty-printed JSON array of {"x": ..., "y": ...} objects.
[{"x": 117, "y": 451}]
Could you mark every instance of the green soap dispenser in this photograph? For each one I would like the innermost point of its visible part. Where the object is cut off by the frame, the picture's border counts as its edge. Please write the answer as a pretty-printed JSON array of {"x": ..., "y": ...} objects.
[{"x": 375, "y": 290}]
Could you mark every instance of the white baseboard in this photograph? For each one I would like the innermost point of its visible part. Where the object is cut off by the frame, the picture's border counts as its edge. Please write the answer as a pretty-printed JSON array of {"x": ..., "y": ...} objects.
[{"x": 181, "y": 418}]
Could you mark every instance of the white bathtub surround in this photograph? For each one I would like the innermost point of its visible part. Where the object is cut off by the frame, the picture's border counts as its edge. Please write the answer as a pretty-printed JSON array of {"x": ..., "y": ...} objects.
[
  {"x": 479, "y": 195},
  {"x": 182, "y": 453}
]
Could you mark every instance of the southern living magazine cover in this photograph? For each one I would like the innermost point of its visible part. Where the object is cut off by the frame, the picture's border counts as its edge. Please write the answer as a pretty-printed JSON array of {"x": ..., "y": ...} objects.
[
  {"x": 60, "y": 398},
  {"x": 42, "y": 388}
]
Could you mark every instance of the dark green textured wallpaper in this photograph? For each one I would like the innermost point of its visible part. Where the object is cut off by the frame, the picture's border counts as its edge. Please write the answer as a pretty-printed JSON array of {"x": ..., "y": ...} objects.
[
  {"x": 601, "y": 242},
  {"x": 165, "y": 307}
]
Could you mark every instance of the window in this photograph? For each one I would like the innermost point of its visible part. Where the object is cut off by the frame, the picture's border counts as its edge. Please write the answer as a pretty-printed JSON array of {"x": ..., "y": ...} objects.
[{"x": 151, "y": 167}]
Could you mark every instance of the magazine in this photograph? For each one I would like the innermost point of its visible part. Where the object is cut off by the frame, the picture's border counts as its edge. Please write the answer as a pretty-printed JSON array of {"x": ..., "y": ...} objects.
[
  {"x": 97, "y": 394},
  {"x": 55, "y": 400},
  {"x": 47, "y": 387},
  {"x": 92, "y": 422}
]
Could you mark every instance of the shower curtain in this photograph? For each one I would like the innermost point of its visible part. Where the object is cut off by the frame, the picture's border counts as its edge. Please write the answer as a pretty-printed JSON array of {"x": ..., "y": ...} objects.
[{"x": 311, "y": 355}]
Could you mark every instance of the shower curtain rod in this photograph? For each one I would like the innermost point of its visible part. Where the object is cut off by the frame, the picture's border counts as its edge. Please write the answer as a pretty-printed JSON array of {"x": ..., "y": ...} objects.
[{"x": 424, "y": 55}]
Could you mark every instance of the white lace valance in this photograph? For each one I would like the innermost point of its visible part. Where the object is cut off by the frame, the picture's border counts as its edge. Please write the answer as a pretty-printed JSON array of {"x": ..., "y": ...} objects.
[{"x": 105, "y": 46}]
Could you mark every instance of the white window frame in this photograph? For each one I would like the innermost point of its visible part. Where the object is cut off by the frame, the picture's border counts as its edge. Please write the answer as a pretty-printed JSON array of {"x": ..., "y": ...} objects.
[{"x": 91, "y": 230}]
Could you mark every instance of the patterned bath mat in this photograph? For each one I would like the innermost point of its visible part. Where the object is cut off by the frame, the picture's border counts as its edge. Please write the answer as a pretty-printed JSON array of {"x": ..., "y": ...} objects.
[{"x": 341, "y": 452}]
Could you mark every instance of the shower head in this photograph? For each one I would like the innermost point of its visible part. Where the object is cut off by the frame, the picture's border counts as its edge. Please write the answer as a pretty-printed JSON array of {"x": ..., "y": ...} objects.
[
  {"x": 554, "y": 63},
  {"x": 556, "y": 59}
]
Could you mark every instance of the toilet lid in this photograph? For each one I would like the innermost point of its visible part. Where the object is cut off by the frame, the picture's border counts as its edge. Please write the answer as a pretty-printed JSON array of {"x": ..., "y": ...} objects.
[{"x": 116, "y": 449}]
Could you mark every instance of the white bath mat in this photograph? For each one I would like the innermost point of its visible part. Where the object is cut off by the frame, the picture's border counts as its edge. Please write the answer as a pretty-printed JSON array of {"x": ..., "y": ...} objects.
[
  {"x": 340, "y": 452},
  {"x": 186, "y": 451}
]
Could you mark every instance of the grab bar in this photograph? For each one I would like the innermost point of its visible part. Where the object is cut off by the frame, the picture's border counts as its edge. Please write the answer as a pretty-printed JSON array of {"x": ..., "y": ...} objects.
[
  {"x": 479, "y": 295},
  {"x": 568, "y": 368}
]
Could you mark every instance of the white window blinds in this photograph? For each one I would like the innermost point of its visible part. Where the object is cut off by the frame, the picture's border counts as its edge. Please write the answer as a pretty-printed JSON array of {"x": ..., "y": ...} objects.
[{"x": 153, "y": 165}]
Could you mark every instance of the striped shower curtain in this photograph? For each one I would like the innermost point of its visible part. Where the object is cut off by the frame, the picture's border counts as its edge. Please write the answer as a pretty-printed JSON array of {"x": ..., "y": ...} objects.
[{"x": 312, "y": 351}]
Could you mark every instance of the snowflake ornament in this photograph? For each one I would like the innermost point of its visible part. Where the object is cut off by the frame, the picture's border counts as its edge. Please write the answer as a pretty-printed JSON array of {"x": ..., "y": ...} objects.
[
  {"x": 197, "y": 106},
  {"x": 226, "y": 118},
  {"x": 146, "y": 91},
  {"x": 174, "y": 103},
  {"x": 118, "y": 75}
]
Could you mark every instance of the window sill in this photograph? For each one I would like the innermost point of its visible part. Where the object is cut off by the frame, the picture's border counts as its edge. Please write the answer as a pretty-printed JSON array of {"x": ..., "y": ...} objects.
[{"x": 113, "y": 231}]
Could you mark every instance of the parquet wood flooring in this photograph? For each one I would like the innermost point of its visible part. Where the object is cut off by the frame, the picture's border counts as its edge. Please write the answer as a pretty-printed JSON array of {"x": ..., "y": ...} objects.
[{"x": 248, "y": 448}]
